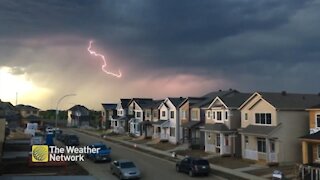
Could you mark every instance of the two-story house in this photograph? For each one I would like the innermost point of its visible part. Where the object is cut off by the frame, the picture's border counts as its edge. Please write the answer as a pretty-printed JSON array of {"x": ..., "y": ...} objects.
[
  {"x": 151, "y": 113},
  {"x": 271, "y": 124},
  {"x": 222, "y": 122},
  {"x": 136, "y": 107},
  {"x": 108, "y": 112},
  {"x": 311, "y": 141},
  {"x": 78, "y": 115},
  {"x": 193, "y": 128},
  {"x": 10, "y": 114},
  {"x": 170, "y": 121},
  {"x": 28, "y": 113},
  {"x": 120, "y": 122}
]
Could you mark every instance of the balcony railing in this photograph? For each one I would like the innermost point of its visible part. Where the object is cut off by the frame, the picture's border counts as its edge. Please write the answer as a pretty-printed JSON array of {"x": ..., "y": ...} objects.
[
  {"x": 272, "y": 157},
  {"x": 225, "y": 149},
  {"x": 164, "y": 136},
  {"x": 250, "y": 154}
]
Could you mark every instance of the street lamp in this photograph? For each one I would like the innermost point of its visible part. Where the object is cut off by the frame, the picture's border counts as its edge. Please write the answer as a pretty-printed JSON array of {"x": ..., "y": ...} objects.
[{"x": 57, "y": 111}]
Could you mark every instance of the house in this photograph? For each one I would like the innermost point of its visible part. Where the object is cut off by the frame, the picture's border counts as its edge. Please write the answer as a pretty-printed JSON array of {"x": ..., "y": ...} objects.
[
  {"x": 28, "y": 114},
  {"x": 10, "y": 114},
  {"x": 311, "y": 141},
  {"x": 193, "y": 118},
  {"x": 222, "y": 121},
  {"x": 108, "y": 112},
  {"x": 151, "y": 116},
  {"x": 136, "y": 109},
  {"x": 119, "y": 123},
  {"x": 271, "y": 124},
  {"x": 188, "y": 123},
  {"x": 78, "y": 115},
  {"x": 169, "y": 120}
]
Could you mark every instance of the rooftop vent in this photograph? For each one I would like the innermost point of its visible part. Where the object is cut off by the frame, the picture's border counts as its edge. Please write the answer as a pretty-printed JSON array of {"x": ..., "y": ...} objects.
[{"x": 284, "y": 93}]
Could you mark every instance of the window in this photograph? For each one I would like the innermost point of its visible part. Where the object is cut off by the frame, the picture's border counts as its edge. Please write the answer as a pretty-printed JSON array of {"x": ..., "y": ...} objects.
[
  {"x": 138, "y": 114},
  {"x": 246, "y": 141},
  {"x": 246, "y": 116},
  {"x": 263, "y": 118},
  {"x": 155, "y": 114},
  {"x": 261, "y": 142},
  {"x": 148, "y": 114},
  {"x": 213, "y": 115},
  {"x": 194, "y": 114},
  {"x": 163, "y": 113},
  {"x": 172, "y": 132},
  {"x": 171, "y": 114},
  {"x": 226, "y": 118},
  {"x": 208, "y": 114},
  {"x": 116, "y": 123},
  {"x": 218, "y": 140},
  {"x": 318, "y": 120},
  {"x": 183, "y": 114},
  {"x": 219, "y": 118}
]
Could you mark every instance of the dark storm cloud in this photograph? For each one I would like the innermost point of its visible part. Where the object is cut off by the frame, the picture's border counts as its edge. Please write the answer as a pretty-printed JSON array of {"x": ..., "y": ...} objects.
[{"x": 265, "y": 44}]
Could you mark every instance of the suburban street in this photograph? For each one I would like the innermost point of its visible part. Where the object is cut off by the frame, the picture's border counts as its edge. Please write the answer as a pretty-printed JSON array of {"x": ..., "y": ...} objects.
[{"x": 152, "y": 168}]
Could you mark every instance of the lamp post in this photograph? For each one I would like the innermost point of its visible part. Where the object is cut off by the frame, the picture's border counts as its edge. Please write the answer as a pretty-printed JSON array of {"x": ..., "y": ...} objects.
[{"x": 57, "y": 111}]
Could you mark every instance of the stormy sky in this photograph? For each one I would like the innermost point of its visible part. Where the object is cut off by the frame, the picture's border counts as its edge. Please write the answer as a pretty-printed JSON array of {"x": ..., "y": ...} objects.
[{"x": 163, "y": 48}]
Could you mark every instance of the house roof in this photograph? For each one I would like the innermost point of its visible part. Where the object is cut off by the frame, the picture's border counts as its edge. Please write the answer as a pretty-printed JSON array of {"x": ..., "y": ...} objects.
[
  {"x": 211, "y": 96},
  {"x": 192, "y": 100},
  {"x": 315, "y": 107},
  {"x": 125, "y": 103},
  {"x": 21, "y": 107},
  {"x": 142, "y": 102},
  {"x": 109, "y": 106},
  {"x": 176, "y": 101},
  {"x": 235, "y": 100},
  {"x": 159, "y": 122},
  {"x": 191, "y": 124},
  {"x": 314, "y": 136},
  {"x": 83, "y": 110},
  {"x": 257, "y": 130},
  {"x": 290, "y": 101},
  {"x": 216, "y": 127}
]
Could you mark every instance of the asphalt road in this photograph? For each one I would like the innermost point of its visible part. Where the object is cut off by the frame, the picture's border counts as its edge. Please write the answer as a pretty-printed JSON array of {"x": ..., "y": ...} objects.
[{"x": 152, "y": 168}]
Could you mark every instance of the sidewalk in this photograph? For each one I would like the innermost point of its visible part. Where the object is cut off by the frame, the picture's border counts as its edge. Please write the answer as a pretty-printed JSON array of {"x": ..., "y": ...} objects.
[{"x": 167, "y": 154}]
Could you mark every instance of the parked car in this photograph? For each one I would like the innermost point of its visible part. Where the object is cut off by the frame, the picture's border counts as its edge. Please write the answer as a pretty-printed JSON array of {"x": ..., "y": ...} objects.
[
  {"x": 71, "y": 140},
  {"x": 193, "y": 166},
  {"x": 103, "y": 153},
  {"x": 61, "y": 137},
  {"x": 125, "y": 169}
]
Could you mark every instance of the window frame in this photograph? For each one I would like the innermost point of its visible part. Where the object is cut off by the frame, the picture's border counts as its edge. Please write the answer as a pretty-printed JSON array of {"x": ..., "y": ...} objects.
[{"x": 263, "y": 148}]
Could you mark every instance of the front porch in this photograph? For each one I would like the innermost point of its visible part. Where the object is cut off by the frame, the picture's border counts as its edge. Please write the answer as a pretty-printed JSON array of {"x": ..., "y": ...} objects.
[
  {"x": 218, "y": 143},
  {"x": 135, "y": 127},
  {"x": 192, "y": 135},
  {"x": 161, "y": 130}
]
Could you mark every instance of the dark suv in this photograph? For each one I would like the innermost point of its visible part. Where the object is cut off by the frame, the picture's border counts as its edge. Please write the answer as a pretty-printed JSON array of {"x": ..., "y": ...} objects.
[{"x": 193, "y": 166}]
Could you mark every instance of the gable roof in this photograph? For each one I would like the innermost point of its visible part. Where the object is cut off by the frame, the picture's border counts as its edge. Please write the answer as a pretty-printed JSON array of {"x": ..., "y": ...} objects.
[
  {"x": 176, "y": 101},
  {"x": 211, "y": 96},
  {"x": 21, "y": 107},
  {"x": 124, "y": 103},
  {"x": 314, "y": 136},
  {"x": 109, "y": 106},
  {"x": 142, "y": 102},
  {"x": 233, "y": 101},
  {"x": 287, "y": 101},
  {"x": 82, "y": 109}
]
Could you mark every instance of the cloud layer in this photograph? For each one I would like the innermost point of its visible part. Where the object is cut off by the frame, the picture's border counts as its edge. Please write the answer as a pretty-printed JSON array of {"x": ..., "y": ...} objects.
[{"x": 163, "y": 48}]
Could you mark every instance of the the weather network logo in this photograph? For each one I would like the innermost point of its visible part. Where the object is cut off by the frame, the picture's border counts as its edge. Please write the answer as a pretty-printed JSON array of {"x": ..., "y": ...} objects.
[{"x": 40, "y": 153}]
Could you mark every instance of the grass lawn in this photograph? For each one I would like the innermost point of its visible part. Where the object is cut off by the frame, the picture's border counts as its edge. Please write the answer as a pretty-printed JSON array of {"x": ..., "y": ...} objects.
[
  {"x": 192, "y": 153},
  {"x": 164, "y": 146},
  {"x": 231, "y": 162}
]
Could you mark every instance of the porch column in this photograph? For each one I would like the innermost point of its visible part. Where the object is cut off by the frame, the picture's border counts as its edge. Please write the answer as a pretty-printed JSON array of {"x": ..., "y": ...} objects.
[
  {"x": 222, "y": 143},
  {"x": 305, "y": 152},
  {"x": 268, "y": 150}
]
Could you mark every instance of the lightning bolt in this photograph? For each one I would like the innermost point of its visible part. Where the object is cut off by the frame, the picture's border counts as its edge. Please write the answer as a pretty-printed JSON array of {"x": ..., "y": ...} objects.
[{"x": 94, "y": 53}]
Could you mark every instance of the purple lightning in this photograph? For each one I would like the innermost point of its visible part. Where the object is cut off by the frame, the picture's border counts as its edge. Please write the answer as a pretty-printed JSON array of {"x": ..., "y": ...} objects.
[{"x": 92, "y": 52}]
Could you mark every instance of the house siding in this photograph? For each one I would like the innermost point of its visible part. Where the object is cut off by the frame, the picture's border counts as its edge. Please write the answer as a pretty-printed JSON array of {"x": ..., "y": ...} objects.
[{"x": 294, "y": 124}]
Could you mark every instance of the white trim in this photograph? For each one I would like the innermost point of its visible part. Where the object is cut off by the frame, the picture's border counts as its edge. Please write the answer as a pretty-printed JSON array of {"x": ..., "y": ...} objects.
[
  {"x": 251, "y": 97},
  {"x": 216, "y": 119},
  {"x": 254, "y": 121},
  {"x": 215, "y": 99}
]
